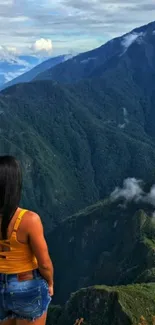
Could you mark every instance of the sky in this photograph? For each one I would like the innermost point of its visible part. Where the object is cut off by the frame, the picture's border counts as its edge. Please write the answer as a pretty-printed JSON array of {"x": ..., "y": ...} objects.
[{"x": 52, "y": 27}]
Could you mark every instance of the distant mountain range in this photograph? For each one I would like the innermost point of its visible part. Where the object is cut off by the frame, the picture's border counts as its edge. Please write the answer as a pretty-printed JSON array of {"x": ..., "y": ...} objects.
[
  {"x": 11, "y": 66},
  {"x": 25, "y": 68}
]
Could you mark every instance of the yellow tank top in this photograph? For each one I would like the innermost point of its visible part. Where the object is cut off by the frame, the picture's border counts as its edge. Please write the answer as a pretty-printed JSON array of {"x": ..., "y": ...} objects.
[{"x": 20, "y": 257}]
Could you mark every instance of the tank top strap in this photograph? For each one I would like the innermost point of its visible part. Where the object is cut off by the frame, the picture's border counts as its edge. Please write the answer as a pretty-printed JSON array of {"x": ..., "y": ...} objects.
[{"x": 18, "y": 220}]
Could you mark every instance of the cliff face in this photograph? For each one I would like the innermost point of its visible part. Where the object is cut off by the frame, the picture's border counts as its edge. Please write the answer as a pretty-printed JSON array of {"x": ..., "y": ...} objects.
[
  {"x": 103, "y": 244},
  {"x": 108, "y": 243},
  {"x": 100, "y": 305}
]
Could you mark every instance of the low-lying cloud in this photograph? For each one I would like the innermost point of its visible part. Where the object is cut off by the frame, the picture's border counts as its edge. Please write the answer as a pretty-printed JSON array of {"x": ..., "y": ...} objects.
[
  {"x": 7, "y": 53},
  {"x": 132, "y": 190}
]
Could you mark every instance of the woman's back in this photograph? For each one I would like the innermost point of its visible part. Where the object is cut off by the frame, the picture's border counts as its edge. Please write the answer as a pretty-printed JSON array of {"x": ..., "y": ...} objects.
[
  {"x": 16, "y": 255},
  {"x": 22, "y": 237}
]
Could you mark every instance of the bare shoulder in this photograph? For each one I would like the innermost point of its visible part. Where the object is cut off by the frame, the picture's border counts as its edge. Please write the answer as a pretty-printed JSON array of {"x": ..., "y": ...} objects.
[
  {"x": 32, "y": 218},
  {"x": 33, "y": 215}
]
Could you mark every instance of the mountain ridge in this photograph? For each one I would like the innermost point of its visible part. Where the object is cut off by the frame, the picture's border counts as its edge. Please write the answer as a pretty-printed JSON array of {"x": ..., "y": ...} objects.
[
  {"x": 82, "y": 66},
  {"x": 103, "y": 234},
  {"x": 100, "y": 305},
  {"x": 32, "y": 73}
]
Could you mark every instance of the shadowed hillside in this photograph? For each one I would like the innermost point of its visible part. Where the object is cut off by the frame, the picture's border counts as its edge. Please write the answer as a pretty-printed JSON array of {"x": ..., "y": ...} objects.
[{"x": 104, "y": 244}]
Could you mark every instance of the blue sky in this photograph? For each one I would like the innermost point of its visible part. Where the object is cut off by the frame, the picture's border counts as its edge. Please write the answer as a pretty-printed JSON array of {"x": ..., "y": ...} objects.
[{"x": 51, "y": 27}]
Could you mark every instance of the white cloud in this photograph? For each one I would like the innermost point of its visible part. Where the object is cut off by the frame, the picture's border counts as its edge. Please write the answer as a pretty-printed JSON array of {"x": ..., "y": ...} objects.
[
  {"x": 10, "y": 55},
  {"x": 7, "y": 54},
  {"x": 6, "y": 2},
  {"x": 150, "y": 197},
  {"x": 42, "y": 45},
  {"x": 19, "y": 19},
  {"x": 132, "y": 190},
  {"x": 130, "y": 38},
  {"x": 12, "y": 65},
  {"x": 11, "y": 49}
]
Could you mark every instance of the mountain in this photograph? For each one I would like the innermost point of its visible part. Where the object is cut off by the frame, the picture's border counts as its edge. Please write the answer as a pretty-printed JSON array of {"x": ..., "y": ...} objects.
[
  {"x": 107, "y": 243},
  {"x": 12, "y": 66},
  {"x": 72, "y": 143},
  {"x": 98, "y": 305},
  {"x": 32, "y": 67},
  {"x": 126, "y": 66},
  {"x": 138, "y": 45},
  {"x": 112, "y": 243}
]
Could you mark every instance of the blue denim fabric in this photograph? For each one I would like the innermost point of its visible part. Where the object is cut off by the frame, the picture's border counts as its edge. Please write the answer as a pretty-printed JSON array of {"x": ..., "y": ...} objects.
[{"x": 23, "y": 300}]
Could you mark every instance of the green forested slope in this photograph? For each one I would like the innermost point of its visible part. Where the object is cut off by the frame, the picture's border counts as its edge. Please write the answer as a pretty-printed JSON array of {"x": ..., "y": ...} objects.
[
  {"x": 104, "y": 244},
  {"x": 101, "y": 305},
  {"x": 108, "y": 243},
  {"x": 76, "y": 152}
]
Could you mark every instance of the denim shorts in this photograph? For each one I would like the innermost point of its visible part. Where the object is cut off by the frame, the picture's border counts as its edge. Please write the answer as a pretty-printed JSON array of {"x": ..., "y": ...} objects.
[{"x": 23, "y": 300}]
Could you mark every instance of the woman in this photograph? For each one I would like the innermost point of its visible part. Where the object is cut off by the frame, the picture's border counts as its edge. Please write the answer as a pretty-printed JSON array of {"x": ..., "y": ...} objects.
[{"x": 26, "y": 270}]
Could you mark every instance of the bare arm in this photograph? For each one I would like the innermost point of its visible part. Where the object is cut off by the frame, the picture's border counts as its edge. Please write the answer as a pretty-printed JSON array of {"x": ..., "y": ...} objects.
[{"x": 39, "y": 248}]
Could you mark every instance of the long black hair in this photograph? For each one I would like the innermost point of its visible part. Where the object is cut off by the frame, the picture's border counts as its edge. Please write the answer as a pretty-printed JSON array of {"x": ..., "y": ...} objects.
[{"x": 10, "y": 190}]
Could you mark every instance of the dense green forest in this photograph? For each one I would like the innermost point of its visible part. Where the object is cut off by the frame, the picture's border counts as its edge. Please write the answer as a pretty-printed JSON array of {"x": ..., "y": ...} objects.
[
  {"x": 74, "y": 143},
  {"x": 104, "y": 244},
  {"x": 107, "y": 243},
  {"x": 101, "y": 305}
]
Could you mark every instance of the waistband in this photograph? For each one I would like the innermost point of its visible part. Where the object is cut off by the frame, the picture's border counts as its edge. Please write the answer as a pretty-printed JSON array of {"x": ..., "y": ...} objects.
[{"x": 9, "y": 277}]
